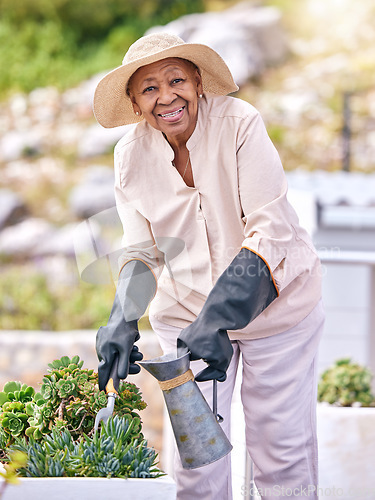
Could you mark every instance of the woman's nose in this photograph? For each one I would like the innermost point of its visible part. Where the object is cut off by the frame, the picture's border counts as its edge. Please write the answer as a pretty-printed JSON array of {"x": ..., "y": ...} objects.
[{"x": 166, "y": 95}]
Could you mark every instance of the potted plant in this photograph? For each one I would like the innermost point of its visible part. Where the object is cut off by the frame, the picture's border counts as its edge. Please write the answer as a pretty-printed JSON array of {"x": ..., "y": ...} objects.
[
  {"x": 65, "y": 458},
  {"x": 346, "y": 431}
]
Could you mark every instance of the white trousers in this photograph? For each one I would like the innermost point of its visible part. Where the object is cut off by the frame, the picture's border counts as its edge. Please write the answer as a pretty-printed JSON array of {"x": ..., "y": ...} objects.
[{"x": 278, "y": 393}]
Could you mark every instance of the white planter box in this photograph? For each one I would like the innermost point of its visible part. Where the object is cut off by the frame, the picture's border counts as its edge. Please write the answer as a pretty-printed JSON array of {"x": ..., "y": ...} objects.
[
  {"x": 95, "y": 488},
  {"x": 346, "y": 438}
]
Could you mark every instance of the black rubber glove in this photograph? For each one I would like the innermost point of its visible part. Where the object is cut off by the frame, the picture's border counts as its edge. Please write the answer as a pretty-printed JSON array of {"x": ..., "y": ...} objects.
[
  {"x": 136, "y": 287},
  {"x": 240, "y": 294}
]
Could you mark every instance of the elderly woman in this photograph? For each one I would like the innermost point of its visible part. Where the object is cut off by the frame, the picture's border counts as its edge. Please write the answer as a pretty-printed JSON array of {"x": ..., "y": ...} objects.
[{"x": 211, "y": 240}]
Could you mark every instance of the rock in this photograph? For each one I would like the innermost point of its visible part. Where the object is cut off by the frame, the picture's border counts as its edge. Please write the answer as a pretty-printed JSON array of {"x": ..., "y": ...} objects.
[
  {"x": 44, "y": 104},
  {"x": 18, "y": 105},
  {"x": 78, "y": 100},
  {"x": 69, "y": 134},
  {"x": 264, "y": 23},
  {"x": 97, "y": 140},
  {"x": 236, "y": 45},
  {"x": 248, "y": 37},
  {"x": 97, "y": 249},
  {"x": 94, "y": 194},
  {"x": 17, "y": 143},
  {"x": 72, "y": 239},
  {"x": 21, "y": 239},
  {"x": 58, "y": 271},
  {"x": 59, "y": 242},
  {"x": 12, "y": 208}
]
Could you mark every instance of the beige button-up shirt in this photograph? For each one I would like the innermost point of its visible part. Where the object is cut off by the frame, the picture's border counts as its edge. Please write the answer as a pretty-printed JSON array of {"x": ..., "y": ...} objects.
[{"x": 189, "y": 235}]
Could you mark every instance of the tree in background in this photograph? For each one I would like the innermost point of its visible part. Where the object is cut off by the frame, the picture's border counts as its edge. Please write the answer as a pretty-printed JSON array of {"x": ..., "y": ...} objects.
[{"x": 60, "y": 42}]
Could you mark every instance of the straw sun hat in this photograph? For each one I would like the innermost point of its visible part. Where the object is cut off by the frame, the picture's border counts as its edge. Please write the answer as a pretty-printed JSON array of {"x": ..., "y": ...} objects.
[{"x": 112, "y": 106}]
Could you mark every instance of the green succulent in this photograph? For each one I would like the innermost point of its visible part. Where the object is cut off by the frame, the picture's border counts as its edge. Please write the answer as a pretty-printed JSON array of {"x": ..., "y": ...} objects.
[
  {"x": 66, "y": 382},
  {"x": 66, "y": 387},
  {"x": 69, "y": 398},
  {"x": 54, "y": 427},
  {"x": 65, "y": 362},
  {"x": 48, "y": 391},
  {"x": 13, "y": 419},
  {"x": 15, "y": 391},
  {"x": 4, "y": 438},
  {"x": 346, "y": 383},
  {"x": 18, "y": 403},
  {"x": 114, "y": 452}
]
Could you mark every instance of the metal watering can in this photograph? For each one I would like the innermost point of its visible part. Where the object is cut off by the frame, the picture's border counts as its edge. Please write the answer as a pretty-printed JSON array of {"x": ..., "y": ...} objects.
[{"x": 200, "y": 439}]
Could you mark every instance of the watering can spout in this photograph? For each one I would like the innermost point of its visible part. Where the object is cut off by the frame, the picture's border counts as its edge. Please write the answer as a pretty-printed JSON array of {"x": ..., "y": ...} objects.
[{"x": 200, "y": 439}]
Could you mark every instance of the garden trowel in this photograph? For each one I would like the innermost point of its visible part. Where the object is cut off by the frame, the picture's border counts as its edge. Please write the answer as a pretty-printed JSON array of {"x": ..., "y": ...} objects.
[{"x": 111, "y": 390}]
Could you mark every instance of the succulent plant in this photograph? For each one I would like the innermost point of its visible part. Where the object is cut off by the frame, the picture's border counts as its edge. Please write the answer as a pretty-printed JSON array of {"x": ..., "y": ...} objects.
[
  {"x": 69, "y": 398},
  {"x": 54, "y": 428},
  {"x": 116, "y": 451},
  {"x": 345, "y": 384},
  {"x": 3, "y": 440},
  {"x": 14, "y": 420},
  {"x": 15, "y": 391},
  {"x": 16, "y": 402}
]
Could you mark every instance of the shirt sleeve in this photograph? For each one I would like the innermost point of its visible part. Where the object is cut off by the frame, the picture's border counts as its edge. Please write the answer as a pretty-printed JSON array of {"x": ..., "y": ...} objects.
[
  {"x": 138, "y": 241},
  {"x": 267, "y": 215}
]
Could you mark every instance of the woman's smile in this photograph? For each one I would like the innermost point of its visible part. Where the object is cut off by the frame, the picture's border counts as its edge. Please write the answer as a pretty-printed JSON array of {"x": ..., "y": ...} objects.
[
  {"x": 173, "y": 116},
  {"x": 166, "y": 93}
]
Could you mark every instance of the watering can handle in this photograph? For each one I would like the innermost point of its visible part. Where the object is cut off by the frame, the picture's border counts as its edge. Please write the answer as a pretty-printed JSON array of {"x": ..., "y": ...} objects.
[
  {"x": 180, "y": 352},
  {"x": 218, "y": 417}
]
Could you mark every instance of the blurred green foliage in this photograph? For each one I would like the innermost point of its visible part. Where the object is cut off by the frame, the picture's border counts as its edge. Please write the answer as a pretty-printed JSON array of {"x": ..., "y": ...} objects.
[
  {"x": 60, "y": 42},
  {"x": 29, "y": 302},
  {"x": 276, "y": 133},
  {"x": 346, "y": 383}
]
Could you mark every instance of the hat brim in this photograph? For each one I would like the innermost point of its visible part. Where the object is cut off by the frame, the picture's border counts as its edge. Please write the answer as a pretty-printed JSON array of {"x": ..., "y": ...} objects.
[{"x": 112, "y": 105}]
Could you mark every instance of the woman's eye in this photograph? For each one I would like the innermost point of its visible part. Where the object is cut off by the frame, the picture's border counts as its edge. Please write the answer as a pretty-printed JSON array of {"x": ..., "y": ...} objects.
[
  {"x": 177, "y": 80},
  {"x": 148, "y": 89}
]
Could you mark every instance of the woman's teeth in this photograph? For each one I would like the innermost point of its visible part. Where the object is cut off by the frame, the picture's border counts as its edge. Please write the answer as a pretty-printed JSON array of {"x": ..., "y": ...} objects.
[{"x": 175, "y": 113}]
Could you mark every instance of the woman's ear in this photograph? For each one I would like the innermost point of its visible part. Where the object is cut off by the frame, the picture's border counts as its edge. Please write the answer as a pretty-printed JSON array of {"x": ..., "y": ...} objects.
[
  {"x": 198, "y": 80},
  {"x": 136, "y": 108}
]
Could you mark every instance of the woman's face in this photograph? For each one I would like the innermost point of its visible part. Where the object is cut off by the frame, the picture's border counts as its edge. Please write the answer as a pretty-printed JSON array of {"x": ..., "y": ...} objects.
[{"x": 166, "y": 94}]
